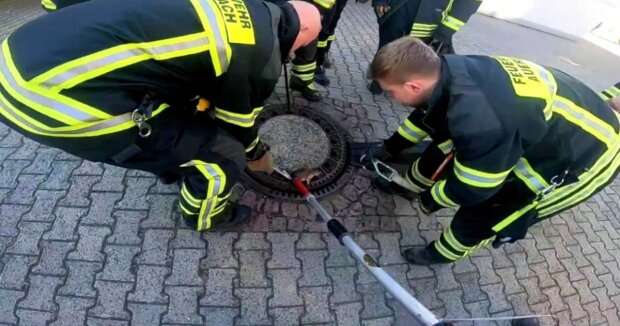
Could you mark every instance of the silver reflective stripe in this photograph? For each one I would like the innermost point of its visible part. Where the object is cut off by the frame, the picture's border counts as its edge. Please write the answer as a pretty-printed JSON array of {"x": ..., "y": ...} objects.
[
  {"x": 40, "y": 99},
  {"x": 583, "y": 119},
  {"x": 446, "y": 147},
  {"x": 113, "y": 58},
  {"x": 478, "y": 180},
  {"x": 521, "y": 169},
  {"x": 220, "y": 45},
  {"x": 411, "y": 132}
]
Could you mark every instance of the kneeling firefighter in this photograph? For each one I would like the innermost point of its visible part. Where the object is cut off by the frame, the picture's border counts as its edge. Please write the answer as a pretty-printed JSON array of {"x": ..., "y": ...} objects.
[
  {"x": 156, "y": 85},
  {"x": 527, "y": 142}
]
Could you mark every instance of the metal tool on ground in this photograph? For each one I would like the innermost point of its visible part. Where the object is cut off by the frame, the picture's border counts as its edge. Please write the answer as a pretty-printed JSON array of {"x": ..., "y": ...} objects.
[{"x": 421, "y": 313}]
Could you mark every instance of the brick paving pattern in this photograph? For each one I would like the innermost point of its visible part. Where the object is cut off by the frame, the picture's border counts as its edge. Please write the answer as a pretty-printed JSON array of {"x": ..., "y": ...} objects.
[{"x": 86, "y": 243}]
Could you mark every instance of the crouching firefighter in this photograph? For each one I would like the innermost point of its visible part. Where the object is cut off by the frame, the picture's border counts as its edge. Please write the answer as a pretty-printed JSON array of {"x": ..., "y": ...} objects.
[
  {"x": 612, "y": 96},
  {"x": 527, "y": 142},
  {"x": 156, "y": 85}
]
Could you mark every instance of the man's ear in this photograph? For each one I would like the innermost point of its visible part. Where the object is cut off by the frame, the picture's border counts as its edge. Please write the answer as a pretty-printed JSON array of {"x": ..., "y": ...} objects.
[{"x": 413, "y": 86}]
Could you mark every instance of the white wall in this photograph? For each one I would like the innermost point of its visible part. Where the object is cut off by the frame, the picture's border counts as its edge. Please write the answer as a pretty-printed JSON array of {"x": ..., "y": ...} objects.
[{"x": 569, "y": 18}]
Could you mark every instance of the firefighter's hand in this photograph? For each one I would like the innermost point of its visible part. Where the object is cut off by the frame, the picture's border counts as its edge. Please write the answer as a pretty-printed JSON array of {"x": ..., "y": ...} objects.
[
  {"x": 615, "y": 104},
  {"x": 263, "y": 164},
  {"x": 380, "y": 10}
]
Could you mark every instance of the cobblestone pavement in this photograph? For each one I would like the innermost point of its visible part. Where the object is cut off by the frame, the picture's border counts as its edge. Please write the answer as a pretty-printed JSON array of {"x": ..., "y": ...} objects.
[{"x": 83, "y": 243}]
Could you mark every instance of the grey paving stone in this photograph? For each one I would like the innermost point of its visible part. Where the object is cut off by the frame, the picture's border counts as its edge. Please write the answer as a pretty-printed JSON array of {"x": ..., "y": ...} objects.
[
  {"x": 43, "y": 208},
  {"x": 487, "y": 272},
  {"x": 188, "y": 239},
  {"x": 77, "y": 196},
  {"x": 497, "y": 297},
  {"x": 519, "y": 303},
  {"x": 378, "y": 321},
  {"x": 150, "y": 285},
  {"x": 311, "y": 241},
  {"x": 596, "y": 317},
  {"x": 112, "y": 179},
  {"x": 81, "y": 279},
  {"x": 155, "y": 247},
  {"x": 146, "y": 314},
  {"x": 612, "y": 316},
  {"x": 64, "y": 226},
  {"x": 576, "y": 309},
  {"x": 471, "y": 287},
  {"x": 162, "y": 211},
  {"x": 15, "y": 270},
  {"x": 338, "y": 254},
  {"x": 90, "y": 244},
  {"x": 585, "y": 295},
  {"x": 126, "y": 228},
  {"x": 557, "y": 302},
  {"x": 347, "y": 313},
  {"x": 219, "y": 288},
  {"x": 317, "y": 305},
  {"x": 4, "y": 243},
  {"x": 344, "y": 285},
  {"x": 135, "y": 195},
  {"x": 118, "y": 263},
  {"x": 89, "y": 168},
  {"x": 219, "y": 316},
  {"x": 27, "y": 241},
  {"x": 72, "y": 310},
  {"x": 445, "y": 277},
  {"x": 603, "y": 298},
  {"x": 610, "y": 285},
  {"x": 111, "y": 300},
  {"x": 509, "y": 279},
  {"x": 51, "y": 260},
  {"x": 313, "y": 268},
  {"x": 532, "y": 287},
  {"x": 8, "y": 299},
  {"x": 42, "y": 162},
  {"x": 542, "y": 271},
  {"x": 58, "y": 179},
  {"x": 373, "y": 296},
  {"x": 283, "y": 250},
  {"x": 105, "y": 322},
  {"x": 286, "y": 316},
  {"x": 554, "y": 264},
  {"x": 285, "y": 287},
  {"x": 253, "y": 306},
  {"x": 453, "y": 301},
  {"x": 101, "y": 208},
  {"x": 560, "y": 248},
  {"x": 26, "y": 151},
  {"x": 219, "y": 250},
  {"x": 33, "y": 317},
  {"x": 478, "y": 309},
  {"x": 185, "y": 267},
  {"x": 23, "y": 194},
  {"x": 390, "y": 252},
  {"x": 10, "y": 171},
  {"x": 573, "y": 273}
]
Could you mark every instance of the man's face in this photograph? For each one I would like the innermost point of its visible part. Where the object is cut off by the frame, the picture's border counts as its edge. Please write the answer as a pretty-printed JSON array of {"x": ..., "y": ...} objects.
[{"x": 408, "y": 93}]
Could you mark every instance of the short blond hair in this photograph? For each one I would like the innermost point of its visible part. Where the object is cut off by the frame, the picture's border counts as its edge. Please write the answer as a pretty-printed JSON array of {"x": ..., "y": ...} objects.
[{"x": 403, "y": 58}]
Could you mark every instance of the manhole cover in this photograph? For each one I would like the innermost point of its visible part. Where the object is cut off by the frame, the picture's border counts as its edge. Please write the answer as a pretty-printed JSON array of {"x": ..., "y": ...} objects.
[{"x": 300, "y": 139}]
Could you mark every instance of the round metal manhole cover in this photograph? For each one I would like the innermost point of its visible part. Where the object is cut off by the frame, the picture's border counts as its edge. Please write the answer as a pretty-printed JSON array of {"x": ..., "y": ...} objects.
[{"x": 302, "y": 139}]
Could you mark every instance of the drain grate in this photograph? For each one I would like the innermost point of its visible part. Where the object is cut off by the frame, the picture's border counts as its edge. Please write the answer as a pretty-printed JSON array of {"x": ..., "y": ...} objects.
[{"x": 333, "y": 173}]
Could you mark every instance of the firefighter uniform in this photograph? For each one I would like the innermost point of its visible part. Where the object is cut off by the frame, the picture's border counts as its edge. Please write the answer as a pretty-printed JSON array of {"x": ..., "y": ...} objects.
[
  {"x": 53, "y": 5},
  {"x": 327, "y": 35},
  {"x": 304, "y": 63},
  {"x": 528, "y": 142},
  {"x": 612, "y": 92},
  {"x": 155, "y": 85}
]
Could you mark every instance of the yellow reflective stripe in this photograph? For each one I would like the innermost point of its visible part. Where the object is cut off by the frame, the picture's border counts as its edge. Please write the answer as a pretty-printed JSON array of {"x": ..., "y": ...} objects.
[
  {"x": 421, "y": 34},
  {"x": 478, "y": 246},
  {"x": 186, "y": 210},
  {"x": 444, "y": 251},
  {"x": 305, "y": 77},
  {"x": 322, "y": 44},
  {"x": 216, "y": 182},
  {"x": 524, "y": 171},
  {"x": 252, "y": 145},
  {"x": 611, "y": 92},
  {"x": 213, "y": 24},
  {"x": 87, "y": 129},
  {"x": 242, "y": 120},
  {"x": 331, "y": 38},
  {"x": 452, "y": 241},
  {"x": 478, "y": 178},
  {"x": 415, "y": 171},
  {"x": 411, "y": 132},
  {"x": 41, "y": 100},
  {"x": 424, "y": 27},
  {"x": 513, "y": 217},
  {"x": 413, "y": 185},
  {"x": 453, "y": 23},
  {"x": 48, "y": 4},
  {"x": 327, "y": 4},
  {"x": 446, "y": 147},
  {"x": 94, "y": 65},
  {"x": 585, "y": 120},
  {"x": 439, "y": 195},
  {"x": 307, "y": 67},
  {"x": 193, "y": 201}
]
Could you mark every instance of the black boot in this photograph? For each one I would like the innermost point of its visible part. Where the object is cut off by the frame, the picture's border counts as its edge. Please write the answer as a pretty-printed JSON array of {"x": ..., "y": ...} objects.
[
  {"x": 327, "y": 61},
  {"x": 423, "y": 256},
  {"x": 375, "y": 88},
  {"x": 307, "y": 91},
  {"x": 393, "y": 188},
  {"x": 320, "y": 77},
  {"x": 168, "y": 178},
  {"x": 233, "y": 215}
]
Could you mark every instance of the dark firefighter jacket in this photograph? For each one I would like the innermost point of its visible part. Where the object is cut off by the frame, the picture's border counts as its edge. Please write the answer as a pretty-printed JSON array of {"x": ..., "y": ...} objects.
[
  {"x": 505, "y": 117},
  {"x": 73, "y": 78},
  {"x": 53, "y": 5}
]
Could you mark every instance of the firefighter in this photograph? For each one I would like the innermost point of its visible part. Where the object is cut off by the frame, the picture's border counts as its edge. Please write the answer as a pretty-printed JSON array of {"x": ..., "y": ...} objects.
[
  {"x": 53, "y": 5},
  {"x": 432, "y": 21},
  {"x": 156, "y": 85},
  {"x": 304, "y": 63},
  {"x": 326, "y": 37},
  {"x": 527, "y": 142},
  {"x": 612, "y": 96}
]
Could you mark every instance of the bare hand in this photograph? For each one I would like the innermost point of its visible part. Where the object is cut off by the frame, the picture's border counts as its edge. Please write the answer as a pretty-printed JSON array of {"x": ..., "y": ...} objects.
[
  {"x": 381, "y": 10},
  {"x": 263, "y": 164}
]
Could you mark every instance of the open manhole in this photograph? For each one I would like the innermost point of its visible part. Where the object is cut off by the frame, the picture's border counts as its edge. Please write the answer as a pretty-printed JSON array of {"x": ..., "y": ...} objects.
[{"x": 304, "y": 138}]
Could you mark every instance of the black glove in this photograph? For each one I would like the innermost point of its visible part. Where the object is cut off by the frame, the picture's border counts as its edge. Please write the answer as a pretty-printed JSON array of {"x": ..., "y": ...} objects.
[
  {"x": 441, "y": 47},
  {"x": 379, "y": 153}
]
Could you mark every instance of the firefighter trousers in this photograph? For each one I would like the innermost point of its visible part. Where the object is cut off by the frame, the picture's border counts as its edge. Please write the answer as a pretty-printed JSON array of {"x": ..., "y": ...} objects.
[
  {"x": 511, "y": 211},
  {"x": 208, "y": 158},
  {"x": 327, "y": 34},
  {"x": 399, "y": 23}
]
